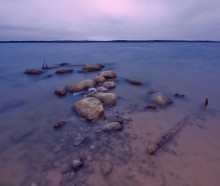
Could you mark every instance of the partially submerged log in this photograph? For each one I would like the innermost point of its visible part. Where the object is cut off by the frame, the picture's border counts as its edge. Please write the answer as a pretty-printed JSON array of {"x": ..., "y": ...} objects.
[{"x": 167, "y": 136}]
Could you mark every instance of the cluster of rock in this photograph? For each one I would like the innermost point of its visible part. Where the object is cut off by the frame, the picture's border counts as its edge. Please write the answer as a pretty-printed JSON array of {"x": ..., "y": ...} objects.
[
  {"x": 92, "y": 107},
  {"x": 64, "y": 68}
]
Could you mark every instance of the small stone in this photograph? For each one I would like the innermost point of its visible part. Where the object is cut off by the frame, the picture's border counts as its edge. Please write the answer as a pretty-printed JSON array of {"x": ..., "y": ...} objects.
[
  {"x": 59, "y": 124},
  {"x": 134, "y": 82},
  {"x": 91, "y": 67},
  {"x": 79, "y": 140},
  {"x": 32, "y": 71},
  {"x": 106, "y": 167},
  {"x": 151, "y": 107},
  {"x": 64, "y": 71},
  {"x": 102, "y": 89},
  {"x": 60, "y": 91},
  {"x": 92, "y": 147},
  {"x": 90, "y": 157},
  {"x": 159, "y": 99},
  {"x": 179, "y": 95},
  {"x": 90, "y": 108},
  {"x": 77, "y": 164},
  {"x": 114, "y": 126},
  {"x": 109, "y": 85},
  {"x": 108, "y": 74},
  {"x": 99, "y": 79}
]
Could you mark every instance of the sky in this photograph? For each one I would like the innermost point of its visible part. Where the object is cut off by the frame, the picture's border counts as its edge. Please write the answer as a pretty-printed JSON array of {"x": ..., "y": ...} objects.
[{"x": 109, "y": 20}]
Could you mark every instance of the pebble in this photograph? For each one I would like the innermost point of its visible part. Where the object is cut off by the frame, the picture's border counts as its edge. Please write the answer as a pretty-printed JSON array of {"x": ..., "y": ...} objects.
[
  {"x": 78, "y": 140},
  {"x": 106, "y": 167},
  {"x": 77, "y": 164},
  {"x": 92, "y": 147}
]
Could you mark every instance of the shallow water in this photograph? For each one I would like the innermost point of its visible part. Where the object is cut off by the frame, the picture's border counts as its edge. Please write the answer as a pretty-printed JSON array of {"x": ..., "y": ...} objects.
[{"x": 33, "y": 153}]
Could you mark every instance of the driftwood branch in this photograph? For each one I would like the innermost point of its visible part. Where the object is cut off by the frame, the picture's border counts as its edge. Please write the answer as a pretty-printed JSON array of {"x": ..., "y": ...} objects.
[{"x": 167, "y": 136}]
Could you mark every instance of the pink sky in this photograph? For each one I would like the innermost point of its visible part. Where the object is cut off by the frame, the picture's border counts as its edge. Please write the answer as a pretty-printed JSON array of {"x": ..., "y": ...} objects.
[{"x": 109, "y": 19}]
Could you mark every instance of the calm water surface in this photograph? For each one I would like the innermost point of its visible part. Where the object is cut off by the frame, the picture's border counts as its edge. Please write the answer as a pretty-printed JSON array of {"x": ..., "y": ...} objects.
[{"x": 33, "y": 153}]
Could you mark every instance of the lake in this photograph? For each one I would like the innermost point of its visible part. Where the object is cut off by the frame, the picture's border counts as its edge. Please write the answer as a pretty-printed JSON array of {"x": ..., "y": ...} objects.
[{"x": 33, "y": 153}]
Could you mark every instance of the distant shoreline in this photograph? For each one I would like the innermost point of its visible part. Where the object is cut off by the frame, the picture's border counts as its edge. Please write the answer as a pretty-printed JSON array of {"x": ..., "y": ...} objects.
[{"x": 110, "y": 41}]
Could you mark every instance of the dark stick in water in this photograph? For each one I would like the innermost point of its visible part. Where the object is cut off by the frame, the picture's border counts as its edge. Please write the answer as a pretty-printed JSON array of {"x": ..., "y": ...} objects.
[
  {"x": 167, "y": 136},
  {"x": 206, "y": 101}
]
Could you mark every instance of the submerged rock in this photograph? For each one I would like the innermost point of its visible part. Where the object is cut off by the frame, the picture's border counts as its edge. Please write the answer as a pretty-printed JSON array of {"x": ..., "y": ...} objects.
[
  {"x": 91, "y": 67},
  {"x": 60, "y": 91},
  {"x": 59, "y": 124},
  {"x": 90, "y": 108},
  {"x": 82, "y": 85},
  {"x": 32, "y": 71},
  {"x": 134, "y": 82},
  {"x": 64, "y": 71},
  {"x": 108, "y": 74},
  {"x": 105, "y": 98},
  {"x": 77, "y": 164},
  {"x": 106, "y": 167},
  {"x": 159, "y": 99},
  {"x": 114, "y": 126},
  {"x": 109, "y": 85},
  {"x": 151, "y": 107},
  {"x": 179, "y": 95},
  {"x": 79, "y": 140},
  {"x": 99, "y": 79},
  {"x": 64, "y": 64}
]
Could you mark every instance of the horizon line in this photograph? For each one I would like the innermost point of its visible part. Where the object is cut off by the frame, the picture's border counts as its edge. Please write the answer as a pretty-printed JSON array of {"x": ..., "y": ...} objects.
[{"x": 102, "y": 41}]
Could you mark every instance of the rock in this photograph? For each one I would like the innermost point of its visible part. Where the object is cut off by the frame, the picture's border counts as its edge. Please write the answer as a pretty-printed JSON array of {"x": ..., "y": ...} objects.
[
  {"x": 59, "y": 124},
  {"x": 134, "y": 82},
  {"x": 77, "y": 164},
  {"x": 106, "y": 167},
  {"x": 64, "y": 64},
  {"x": 105, "y": 98},
  {"x": 60, "y": 91},
  {"x": 179, "y": 95},
  {"x": 90, "y": 108},
  {"x": 90, "y": 157},
  {"x": 108, "y": 74},
  {"x": 91, "y": 89},
  {"x": 79, "y": 140},
  {"x": 82, "y": 85},
  {"x": 91, "y": 67},
  {"x": 32, "y": 71},
  {"x": 159, "y": 99},
  {"x": 99, "y": 79},
  {"x": 81, "y": 71},
  {"x": 64, "y": 71},
  {"x": 109, "y": 85},
  {"x": 151, "y": 107},
  {"x": 114, "y": 126},
  {"x": 102, "y": 89},
  {"x": 92, "y": 147}
]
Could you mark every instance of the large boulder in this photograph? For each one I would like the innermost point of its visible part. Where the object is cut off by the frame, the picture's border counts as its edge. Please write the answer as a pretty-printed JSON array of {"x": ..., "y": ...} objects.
[
  {"x": 159, "y": 99},
  {"x": 105, "y": 98},
  {"x": 32, "y": 71},
  {"x": 99, "y": 79},
  {"x": 82, "y": 85},
  {"x": 91, "y": 67},
  {"x": 108, "y": 74},
  {"x": 90, "y": 108}
]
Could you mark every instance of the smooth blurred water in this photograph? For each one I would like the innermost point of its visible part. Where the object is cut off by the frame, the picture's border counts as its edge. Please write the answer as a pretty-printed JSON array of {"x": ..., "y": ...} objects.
[{"x": 29, "y": 108}]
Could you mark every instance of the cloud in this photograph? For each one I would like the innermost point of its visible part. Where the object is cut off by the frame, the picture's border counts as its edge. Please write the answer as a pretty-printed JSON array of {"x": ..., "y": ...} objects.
[{"x": 109, "y": 19}]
